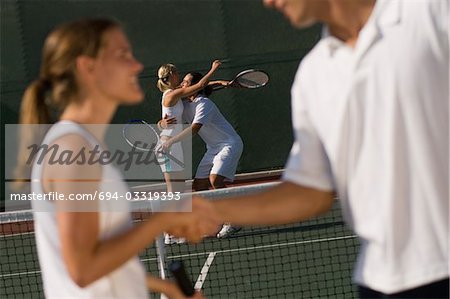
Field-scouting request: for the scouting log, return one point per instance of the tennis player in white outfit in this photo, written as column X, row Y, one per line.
column 224, row 146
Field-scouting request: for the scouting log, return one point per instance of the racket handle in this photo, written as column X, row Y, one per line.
column 219, row 87
column 181, row 277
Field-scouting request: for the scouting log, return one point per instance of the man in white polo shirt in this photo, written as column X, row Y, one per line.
column 370, row 109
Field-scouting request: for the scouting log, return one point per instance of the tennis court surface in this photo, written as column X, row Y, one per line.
column 312, row 259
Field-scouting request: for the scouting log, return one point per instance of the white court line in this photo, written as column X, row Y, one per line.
column 15, row 235
column 204, row 272
column 221, row 251
column 19, row 274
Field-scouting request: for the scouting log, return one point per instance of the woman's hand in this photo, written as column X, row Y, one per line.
column 169, row 288
column 176, row 293
column 215, row 65
column 164, row 147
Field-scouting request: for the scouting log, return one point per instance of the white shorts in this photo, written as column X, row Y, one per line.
column 172, row 161
column 222, row 161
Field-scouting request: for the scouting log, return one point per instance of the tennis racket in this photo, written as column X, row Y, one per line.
column 183, row 281
column 250, row 79
column 142, row 136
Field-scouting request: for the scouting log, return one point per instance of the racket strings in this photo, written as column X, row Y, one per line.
column 253, row 79
column 140, row 136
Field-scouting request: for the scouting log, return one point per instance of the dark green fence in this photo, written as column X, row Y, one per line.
column 190, row 34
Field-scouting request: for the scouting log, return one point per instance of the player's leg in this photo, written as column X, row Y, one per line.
column 201, row 180
column 173, row 172
column 224, row 164
column 201, row 184
column 175, row 181
column 175, row 177
column 217, row 181
column 224, row 168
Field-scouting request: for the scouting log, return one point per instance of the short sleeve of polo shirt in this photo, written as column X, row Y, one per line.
column 203, row 112
column 308, row 164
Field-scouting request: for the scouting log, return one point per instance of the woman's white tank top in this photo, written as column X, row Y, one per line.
column 174, row 111
column 129, row 280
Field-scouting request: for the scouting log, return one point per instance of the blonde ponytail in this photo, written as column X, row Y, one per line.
column 33, row 112
column 34, row 109
column 164, row 73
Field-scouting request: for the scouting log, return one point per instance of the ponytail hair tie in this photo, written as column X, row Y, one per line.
column 45, row 87
column 164, row 79
column 45, row 84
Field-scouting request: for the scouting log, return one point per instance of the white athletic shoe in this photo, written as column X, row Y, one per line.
column 227, row 230
column 169, row 239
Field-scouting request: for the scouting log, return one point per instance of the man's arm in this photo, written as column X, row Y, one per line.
column 192, row 130
column 202, row 115
column 165, row 122
column 285, row 203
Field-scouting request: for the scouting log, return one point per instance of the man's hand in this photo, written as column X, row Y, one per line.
column 167, row 121
column 194, row 226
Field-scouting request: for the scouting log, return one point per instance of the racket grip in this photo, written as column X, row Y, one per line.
column 184, row 282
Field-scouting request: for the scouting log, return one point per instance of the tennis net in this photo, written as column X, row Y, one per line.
column 312, row 259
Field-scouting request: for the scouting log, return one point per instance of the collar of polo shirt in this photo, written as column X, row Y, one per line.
column 380, row 17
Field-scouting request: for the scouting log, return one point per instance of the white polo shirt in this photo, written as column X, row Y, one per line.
column 372, row 123
column 216, row 131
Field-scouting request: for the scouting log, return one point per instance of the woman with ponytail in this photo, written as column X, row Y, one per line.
column 88, row 70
